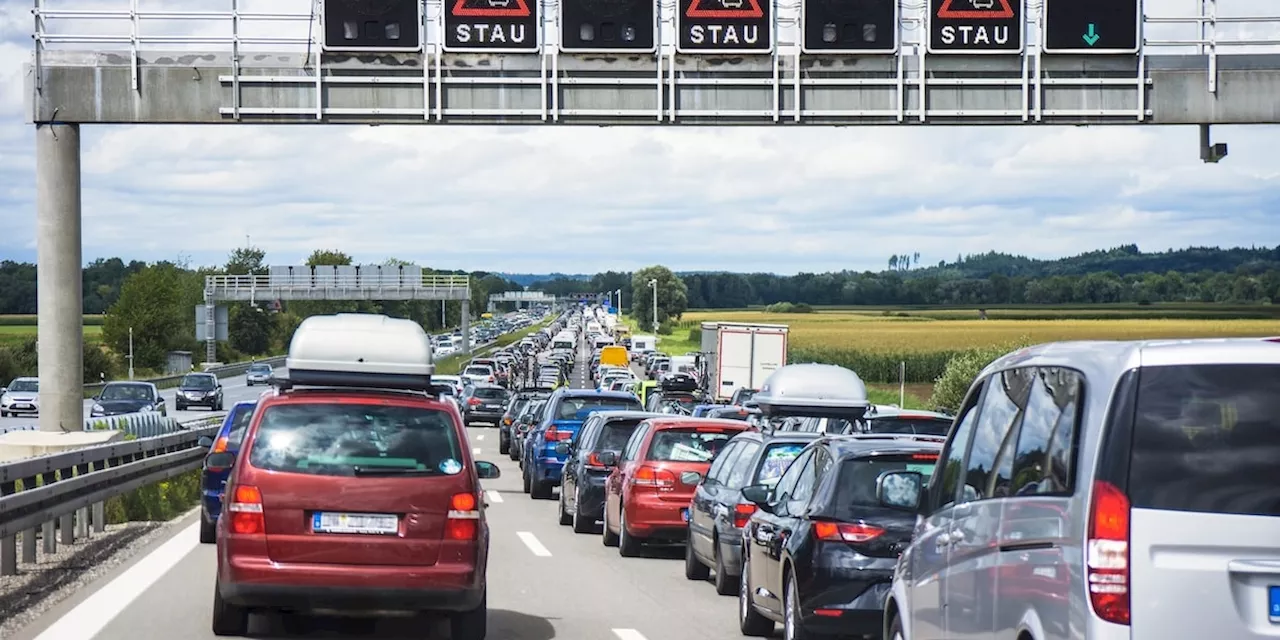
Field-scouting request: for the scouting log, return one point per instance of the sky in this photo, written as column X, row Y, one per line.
column 586, row 199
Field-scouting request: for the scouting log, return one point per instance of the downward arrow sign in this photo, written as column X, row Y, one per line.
column 1091, row 37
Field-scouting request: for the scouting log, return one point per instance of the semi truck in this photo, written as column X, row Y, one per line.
column 741, row 355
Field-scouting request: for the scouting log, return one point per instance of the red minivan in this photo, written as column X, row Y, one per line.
column 648, row 493
column 354, row 500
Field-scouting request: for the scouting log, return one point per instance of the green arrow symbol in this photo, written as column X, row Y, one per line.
column 1091, row 37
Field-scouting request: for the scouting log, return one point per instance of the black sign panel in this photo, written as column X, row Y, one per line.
column 849, row 26
column 371, row 25
column 605, row 26
column 976, row 26
column 1092, row 26
column 492, row 26
column 724, row 26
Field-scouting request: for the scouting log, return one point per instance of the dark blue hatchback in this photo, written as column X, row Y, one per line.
column 213, row 479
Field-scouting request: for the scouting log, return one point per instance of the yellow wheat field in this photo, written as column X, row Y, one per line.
column 866, row 332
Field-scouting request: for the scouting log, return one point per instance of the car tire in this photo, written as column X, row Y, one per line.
column 750, row 622
column 565, row 518
column 726, row 585
column 513, row 452
column 228, row 619
column 628, row 545
column 528, row 482
column 693, row 567
column 540, row 490
column 581, row 524
column 471, row 625
column 610, row 539
column 792, row 621
column 895, row 629
column 208, row 530
column 504, row 448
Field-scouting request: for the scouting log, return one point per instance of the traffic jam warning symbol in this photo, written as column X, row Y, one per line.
column 975, row 26
column 724, row 26
column 494, row 26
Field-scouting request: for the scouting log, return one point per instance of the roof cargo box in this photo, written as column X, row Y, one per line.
column 360, row 350
column 820, row 390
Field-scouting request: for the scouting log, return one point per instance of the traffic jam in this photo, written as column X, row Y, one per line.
column 1099, row 490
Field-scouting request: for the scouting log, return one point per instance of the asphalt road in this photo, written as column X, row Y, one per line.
column 234, row 390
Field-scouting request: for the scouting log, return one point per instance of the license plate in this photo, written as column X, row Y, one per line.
column 684, row 515
column 359, row 523
column 21, row 405
column 1273, row 608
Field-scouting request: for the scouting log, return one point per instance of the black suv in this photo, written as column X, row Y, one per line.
column 199, row 390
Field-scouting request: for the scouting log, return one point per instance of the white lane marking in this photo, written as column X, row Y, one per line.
column 92, row 615
column 534, row 545
column 629, row 634
column 475, row 451
column 480, row 437
column 494, row 496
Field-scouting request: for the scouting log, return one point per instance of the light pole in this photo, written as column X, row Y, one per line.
column 619, row 292
column 130, row 353
column 653, row 282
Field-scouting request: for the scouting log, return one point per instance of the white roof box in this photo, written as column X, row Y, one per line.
column 820, row 390
column 360, row 350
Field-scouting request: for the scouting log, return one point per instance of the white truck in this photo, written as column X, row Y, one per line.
column 742, row 355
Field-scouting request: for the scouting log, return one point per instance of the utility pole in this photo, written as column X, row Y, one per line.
column 130, row 353
column 653, row 282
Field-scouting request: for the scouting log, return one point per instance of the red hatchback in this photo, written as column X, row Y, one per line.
column 354, row 500
column 648, row 493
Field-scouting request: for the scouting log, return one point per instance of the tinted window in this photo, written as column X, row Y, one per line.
column 1206, row 439
column 615, row 435
column 491, row 393
column 915, row 425
column 856, row 484
column 477, row 371
column 1042, row 463
column 197, row 382
column 743, row 465
column 338, row 439
column 569, row 407
column 1006, row 393
column 688, row 445
column 776, row 460
column 127, row 392
column 239, row 423
column 957, row 446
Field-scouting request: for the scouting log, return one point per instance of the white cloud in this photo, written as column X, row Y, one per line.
column 578, row 199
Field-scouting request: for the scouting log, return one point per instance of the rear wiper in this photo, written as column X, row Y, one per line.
column 391, row 471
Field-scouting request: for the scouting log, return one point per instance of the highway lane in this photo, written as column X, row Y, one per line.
column 234, row 390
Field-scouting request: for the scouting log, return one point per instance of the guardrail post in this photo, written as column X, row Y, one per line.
column 8, row 546
column 66, row 526
column 29, row 536
column 99, row 517
column 47, row 533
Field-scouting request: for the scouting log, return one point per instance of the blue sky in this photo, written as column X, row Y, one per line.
column 587, row 199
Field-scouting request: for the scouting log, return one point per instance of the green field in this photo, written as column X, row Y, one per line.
column 10, row 334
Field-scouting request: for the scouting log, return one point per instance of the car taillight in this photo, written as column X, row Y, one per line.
column 219, row 445
column 506, row 421
column 742, row 514
column 846, row 532
column 464, row 517
column 1107, row 556
column 555, row 435
column 594, row 463
column 655, row 477
column 473, row 402
column 246, row 511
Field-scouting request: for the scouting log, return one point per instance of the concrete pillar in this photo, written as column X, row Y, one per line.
column 466, row 327
column 60, row 303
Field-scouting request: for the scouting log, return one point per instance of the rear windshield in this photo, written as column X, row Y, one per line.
column 477, row 371
column 569, row 407
column 776, row 460
column 922, row 426
column 239, row 422
column 342, row 439
column 689, row 445
column 1206, row 439
column 856, row 484
column 491, row 393
column 615, row 435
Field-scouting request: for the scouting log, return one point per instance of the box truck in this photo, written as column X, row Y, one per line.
column 742, row 355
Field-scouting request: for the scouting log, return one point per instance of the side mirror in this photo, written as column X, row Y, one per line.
column 487, row 470
column 205, row 441
column 900, row 490
column 608, row 458
column 563, row 448
column 758, row 494
column 219, row 461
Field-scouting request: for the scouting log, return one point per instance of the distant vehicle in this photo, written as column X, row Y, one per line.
column 257, row 373
column 213, row 479
column 117, row 398
column 199, row 390
column 21, row 396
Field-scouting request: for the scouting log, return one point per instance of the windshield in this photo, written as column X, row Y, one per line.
column 856, row 484
column 239, row 423
column 126, row 392
column 569, row 407
column 689, row 445
column 491, row 393
column 197, row 382
column 477, row 371
column 335, row 439
column 615, row 434
column 24, row 386
column 776, row 460
column 259, row 368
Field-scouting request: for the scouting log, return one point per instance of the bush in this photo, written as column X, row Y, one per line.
column 788, row 307
column 158, row 502
column 878, row 366
column 950, row 388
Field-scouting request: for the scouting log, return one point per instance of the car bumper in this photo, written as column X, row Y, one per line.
column 212, row 502
column 548, row 471
column 482, row 414
column 849, row 605
column 348, row 599
column 651, row 517
column 202, row 402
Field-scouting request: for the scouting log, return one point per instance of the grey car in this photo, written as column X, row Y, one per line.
column 1101, row 491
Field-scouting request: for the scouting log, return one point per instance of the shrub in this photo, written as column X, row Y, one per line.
column 951, row 386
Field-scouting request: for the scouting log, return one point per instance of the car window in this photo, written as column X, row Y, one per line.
column 633, row 443
column 743, row 465
column 718, row 471
column 126, row 392
column 855, row 484
column 944, row 488
column 1001, row 410
column 614, row 435
column 699, row 444
column 1043, row 461
column 1206, row 439
column 918, row 425
column 197, row 382
column 24, row 386
column 239, row 423
column 776, row 460
column 337, row 439
column 569, row 407
column 491, row 393
column 787, row 483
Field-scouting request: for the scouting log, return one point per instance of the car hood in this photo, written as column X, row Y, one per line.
column 121, row 406
column 194, row 390
column 22, row 396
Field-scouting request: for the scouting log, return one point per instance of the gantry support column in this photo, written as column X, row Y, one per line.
column 60, row 302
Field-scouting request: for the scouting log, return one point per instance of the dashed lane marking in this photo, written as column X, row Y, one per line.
column 494, row 496
column 629, row 634
column 480, row 437
column 534, row 544
column 475, row 451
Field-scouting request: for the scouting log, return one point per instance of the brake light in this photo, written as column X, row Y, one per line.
column 1107, row 555
column 219, row 445
column 246, row 511
column 473, row 401
column 594, row 463
column 464, row 517
column 846, row 532
column 555, row 435
column 654, row 477
column 742, row 513
column 506, row 421
column 924, row 456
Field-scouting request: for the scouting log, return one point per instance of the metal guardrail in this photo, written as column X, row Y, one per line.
column 224, row 371
column 62, row 495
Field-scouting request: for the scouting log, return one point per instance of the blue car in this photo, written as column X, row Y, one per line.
column 564, row 414
column 213, row 479
column 702, row 410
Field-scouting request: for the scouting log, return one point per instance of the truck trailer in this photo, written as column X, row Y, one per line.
column 741, row 355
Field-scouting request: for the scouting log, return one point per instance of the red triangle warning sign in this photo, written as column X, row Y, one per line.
column 976, row 10
column 725, row 9
column 491, row 9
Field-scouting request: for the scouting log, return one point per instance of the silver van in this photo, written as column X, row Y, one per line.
column 1101, row 490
